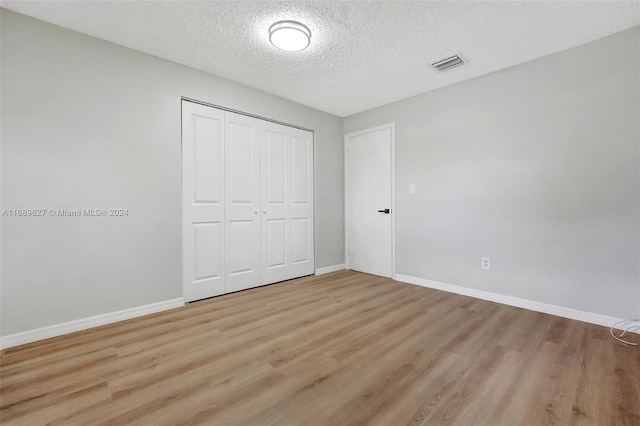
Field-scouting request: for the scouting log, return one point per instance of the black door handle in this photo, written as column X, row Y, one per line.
column 385, row 211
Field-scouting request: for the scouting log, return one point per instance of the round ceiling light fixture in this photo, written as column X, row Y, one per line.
column 291, row 36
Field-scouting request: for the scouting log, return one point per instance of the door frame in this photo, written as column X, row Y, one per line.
column 347, row 136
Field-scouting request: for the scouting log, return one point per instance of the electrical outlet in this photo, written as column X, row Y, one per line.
column 486, row 262
column 412, row 188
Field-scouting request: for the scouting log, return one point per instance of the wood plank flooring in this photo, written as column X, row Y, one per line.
column 339, row 349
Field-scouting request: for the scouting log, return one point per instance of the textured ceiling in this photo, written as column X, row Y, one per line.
column 362, row 54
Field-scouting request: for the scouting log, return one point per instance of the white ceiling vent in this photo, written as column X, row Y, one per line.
column 448, row 63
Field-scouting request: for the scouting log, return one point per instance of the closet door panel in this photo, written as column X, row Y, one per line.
column 275, row 169
column 208, row 262
column 301, row 208
column 300, row 238
column 242, row 178
column 241, row 246
column 276, row 218
column 203, row 202
column 300, row 165
column 276, row 257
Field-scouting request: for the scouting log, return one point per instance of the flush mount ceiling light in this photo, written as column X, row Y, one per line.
column 291, row 36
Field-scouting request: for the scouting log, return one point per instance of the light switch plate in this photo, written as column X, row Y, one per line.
column 412, row 188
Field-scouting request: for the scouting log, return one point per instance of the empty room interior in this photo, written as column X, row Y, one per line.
column 320, row 213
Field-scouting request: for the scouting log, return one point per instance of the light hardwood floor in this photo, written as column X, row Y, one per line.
column 339, row 349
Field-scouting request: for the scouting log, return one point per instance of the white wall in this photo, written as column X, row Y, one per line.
column 536, row 166
column 89, row 124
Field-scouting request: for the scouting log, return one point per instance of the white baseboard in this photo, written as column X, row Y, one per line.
column 329, row 269
column 24, row 337
column 532, row 305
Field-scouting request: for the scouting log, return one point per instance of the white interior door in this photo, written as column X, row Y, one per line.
column 242, row 183
column 370, row 175
column 203, row 228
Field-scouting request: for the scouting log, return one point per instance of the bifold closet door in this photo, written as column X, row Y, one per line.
column 287, row 203
column 247, row 189
column 203, row 227
column 302, row 241
column 242, row 182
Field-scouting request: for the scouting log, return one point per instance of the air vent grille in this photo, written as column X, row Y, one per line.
column 448, row 63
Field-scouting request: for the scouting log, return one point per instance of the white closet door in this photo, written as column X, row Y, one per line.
column 203, row 201
column 276, row 198
column 302, row 256
column 242, row 178
column 247, row 202
column 287, row 203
